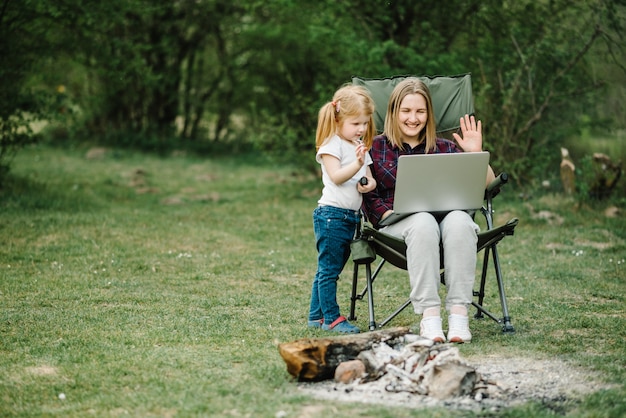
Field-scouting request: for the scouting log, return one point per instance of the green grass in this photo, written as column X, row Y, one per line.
column 143, row 286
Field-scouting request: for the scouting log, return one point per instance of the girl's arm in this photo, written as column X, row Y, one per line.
column 339, row 174
column 336, row 172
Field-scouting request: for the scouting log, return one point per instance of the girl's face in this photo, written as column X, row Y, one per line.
column 352, row 129
column 412, row 116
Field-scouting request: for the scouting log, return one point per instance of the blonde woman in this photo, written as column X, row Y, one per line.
column 410, row 129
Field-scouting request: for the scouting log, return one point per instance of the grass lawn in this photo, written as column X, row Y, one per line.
column 141, row 286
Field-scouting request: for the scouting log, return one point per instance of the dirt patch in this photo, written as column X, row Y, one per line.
column 42, row 371
column 517, row 381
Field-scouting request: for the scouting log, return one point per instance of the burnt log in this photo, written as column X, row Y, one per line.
column 315, row 359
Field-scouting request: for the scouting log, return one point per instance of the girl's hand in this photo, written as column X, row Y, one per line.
column 360, row 151
column 371, row 185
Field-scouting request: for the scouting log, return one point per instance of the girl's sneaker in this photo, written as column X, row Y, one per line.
column 341, row 325
column 430, row 327
column 316, row 323
column 458, row 329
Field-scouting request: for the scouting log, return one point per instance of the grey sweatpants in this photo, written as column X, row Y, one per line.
column 422, row 233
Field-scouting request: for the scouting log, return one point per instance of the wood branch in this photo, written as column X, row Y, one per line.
column 617, row 57
column 315, row 359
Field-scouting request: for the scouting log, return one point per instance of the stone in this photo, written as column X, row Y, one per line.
column 452, row 379
column 349, row 371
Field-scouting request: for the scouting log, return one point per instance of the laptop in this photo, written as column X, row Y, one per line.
column 438, row 183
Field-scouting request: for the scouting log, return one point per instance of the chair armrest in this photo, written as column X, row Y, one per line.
column 495, row 235
column 494, row 187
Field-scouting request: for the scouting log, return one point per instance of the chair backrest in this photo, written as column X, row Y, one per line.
column 451, row 96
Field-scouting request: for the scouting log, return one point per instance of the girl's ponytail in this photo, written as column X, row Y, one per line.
column 326, row 124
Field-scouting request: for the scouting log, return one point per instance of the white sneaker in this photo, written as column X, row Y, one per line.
column 458, row 329
column 430, row 328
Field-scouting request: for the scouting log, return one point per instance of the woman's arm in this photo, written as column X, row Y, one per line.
column 491, row 176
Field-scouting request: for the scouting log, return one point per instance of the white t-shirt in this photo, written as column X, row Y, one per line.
column 344, row 195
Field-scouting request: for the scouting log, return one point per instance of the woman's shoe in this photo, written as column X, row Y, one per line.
column 430, row 327
column 341, row 325
column 458, row 329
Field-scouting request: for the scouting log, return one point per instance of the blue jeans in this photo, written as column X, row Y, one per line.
column 334, row 230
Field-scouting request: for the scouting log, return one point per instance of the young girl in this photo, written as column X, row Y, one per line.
column 344, row 135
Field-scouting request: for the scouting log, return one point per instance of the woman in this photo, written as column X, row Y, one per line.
column 410, row 129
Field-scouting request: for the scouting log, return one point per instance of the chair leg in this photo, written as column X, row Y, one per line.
column 507, row 327
column 374, row 275
column 370, row 296
column 353, row 297
column 369, row 290
column 366, row 289
column 369, row 278
column 395, row 313
column 483, row 280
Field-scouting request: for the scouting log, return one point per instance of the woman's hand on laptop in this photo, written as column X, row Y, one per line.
column 386, row 214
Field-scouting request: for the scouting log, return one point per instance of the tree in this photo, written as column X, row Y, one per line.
column 252, row 72
column 21, row 46
column 532, row 72
column 530, row 63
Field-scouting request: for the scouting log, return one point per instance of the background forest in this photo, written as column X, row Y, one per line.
column 234, row 76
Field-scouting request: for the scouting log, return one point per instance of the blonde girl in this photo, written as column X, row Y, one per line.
column 345, row 131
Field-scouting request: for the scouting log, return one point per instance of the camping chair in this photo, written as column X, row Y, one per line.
column 452, row 98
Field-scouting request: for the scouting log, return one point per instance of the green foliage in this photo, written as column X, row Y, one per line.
column 205, row 75
column 592, row 180
column 15, row 133
column 20, row 107
column 585, row 177
column 526, row 96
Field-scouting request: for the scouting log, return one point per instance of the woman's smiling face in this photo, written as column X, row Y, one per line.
column 412, row 116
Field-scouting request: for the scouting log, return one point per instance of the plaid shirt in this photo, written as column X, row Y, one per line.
column 384, row 167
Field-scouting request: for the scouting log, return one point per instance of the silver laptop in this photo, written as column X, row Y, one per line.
column 439, row 183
